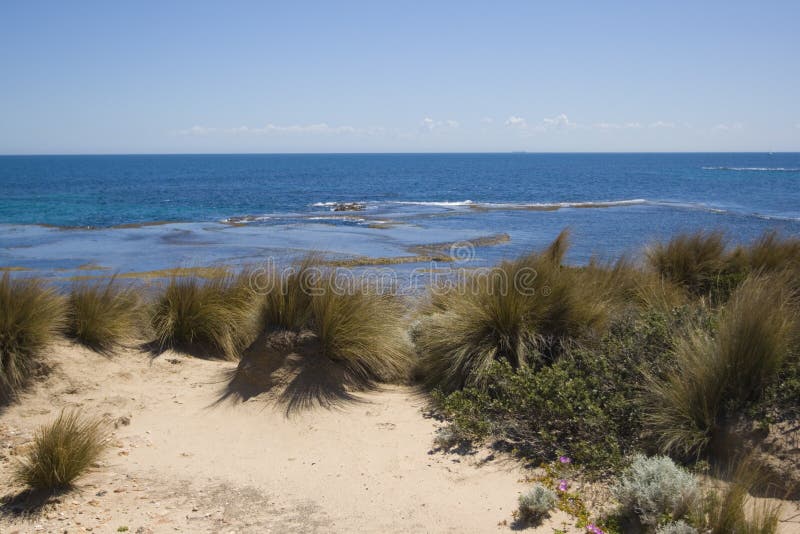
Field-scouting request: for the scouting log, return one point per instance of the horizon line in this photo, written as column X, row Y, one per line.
column 410, row 153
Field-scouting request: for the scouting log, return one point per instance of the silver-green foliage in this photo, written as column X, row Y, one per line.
column 654, row 489
column 536, row 503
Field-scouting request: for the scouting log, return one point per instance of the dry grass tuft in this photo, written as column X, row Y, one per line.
column 516, row 312
column 218, row 314
column 102, row 316
column 769, row 253
column 715, row 375
column 362, row 327
column 693, row 261
column 287, row 298
column 30, row 315
column 732, row 509
column 61, row 452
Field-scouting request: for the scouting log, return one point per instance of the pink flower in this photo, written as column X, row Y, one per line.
column 562, row 485
column 565, row 459
column 594, row 529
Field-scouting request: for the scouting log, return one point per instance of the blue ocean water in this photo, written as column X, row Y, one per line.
column 58, row 212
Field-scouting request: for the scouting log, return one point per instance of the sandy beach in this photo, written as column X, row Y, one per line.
column 182, row 461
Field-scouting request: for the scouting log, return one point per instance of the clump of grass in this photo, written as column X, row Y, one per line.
column 654, row 489
column 101, row 316
column 769, row 253
column 30, row 315
column 694, row 261
column 61, row 452
column 479, row 323
column 731, row 508
column 217, row 314
column 717, row 375
column 536, row 504
column 516, row 312
column 361, row 326
column 287, row 296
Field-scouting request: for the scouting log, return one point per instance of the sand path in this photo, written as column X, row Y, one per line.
column 181, row 461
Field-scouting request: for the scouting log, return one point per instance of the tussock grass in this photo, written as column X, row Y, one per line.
column 622, row 284
column 693, row 261
column 515, row 312
column 217, row 314
column 714, row 375
column 30, row 316
column 61, row 452
column 361, row 326
column 732, row 509
column 769, row 253
column 286, row 299
column 102, row 316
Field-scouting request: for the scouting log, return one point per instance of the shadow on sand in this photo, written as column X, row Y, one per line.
column 29, row 503
column 289, row 369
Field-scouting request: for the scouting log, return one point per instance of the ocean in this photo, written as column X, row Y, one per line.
column 60, row 215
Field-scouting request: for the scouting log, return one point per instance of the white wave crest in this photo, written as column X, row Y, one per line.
column 753, row 169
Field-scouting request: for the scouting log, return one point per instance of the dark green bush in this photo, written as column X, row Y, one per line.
column 586, row 404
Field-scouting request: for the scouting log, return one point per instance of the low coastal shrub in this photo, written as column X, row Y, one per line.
column 61, row 452
column 361, row 326
column 677, row 527
column 30, row 316
column 522, row 312
column 588, row 403
column 655, row 490
column 536, row 504
column 101, row 316
column 217, row 314
column 716, row 375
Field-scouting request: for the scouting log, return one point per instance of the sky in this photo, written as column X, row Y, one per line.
column 437, row 76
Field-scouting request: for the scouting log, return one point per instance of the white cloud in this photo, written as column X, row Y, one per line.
column 516, row 122
column 661, row 124
column 724, row 127
column 428, row 124
column 489, row 120
column 559, row 121
column 616, row 125
column 196, row 130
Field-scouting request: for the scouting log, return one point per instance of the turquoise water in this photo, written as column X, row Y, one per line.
column 59, row 212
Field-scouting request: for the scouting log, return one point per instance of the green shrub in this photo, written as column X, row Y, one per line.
column 102, row 316
column 586, row 404
column 61, row 452
column 362, row 327
column 655, row 490
column 677, row 527
column 536, row 504
column 30, row 315
column 716, row 376
column 217, row 314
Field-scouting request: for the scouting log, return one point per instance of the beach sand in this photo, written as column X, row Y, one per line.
column 186, row 457
column 181, row 461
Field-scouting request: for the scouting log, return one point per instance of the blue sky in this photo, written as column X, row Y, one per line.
column 162, row 77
